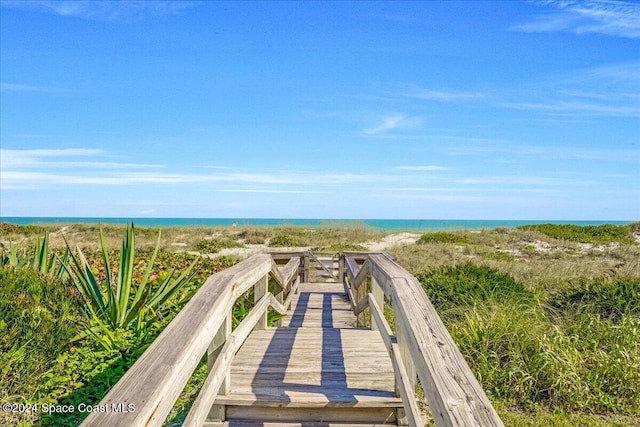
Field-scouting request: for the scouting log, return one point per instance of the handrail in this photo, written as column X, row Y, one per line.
column 155, row 381
column 454, row 395
column 420, row 346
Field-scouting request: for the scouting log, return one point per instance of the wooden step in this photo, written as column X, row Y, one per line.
column 312, row 367
column 291, row 399
column 319, row 415
column 246, row 423
column 320, row 305
column 312, row 375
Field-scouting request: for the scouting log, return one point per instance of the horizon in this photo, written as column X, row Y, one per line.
column 264, row 221
column 323, row 110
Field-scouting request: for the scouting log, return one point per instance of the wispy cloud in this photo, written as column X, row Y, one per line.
column 391, row 122
column 386, row 124
column 22, row 169
column 16, row 87
column 440, row 95
column 19, row 158
column 49, row 158
column 427, row 168
column 105, row 10
column 611, row 90
column 519, row 180
column 268, row 190
column 610, row 17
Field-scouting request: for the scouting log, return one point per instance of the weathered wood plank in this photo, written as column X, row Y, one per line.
column 220, row 370
column 249, row 423
column 357, row 273
column 454, row 394
column 352, row 268
column 342, row 415
column 403, row 381
column 216, row 412
column 156, row 380
column 361, row 305
column 319, row 304
column 290, row 270
column 322, row 266
column 313, row 368
column 269, row 398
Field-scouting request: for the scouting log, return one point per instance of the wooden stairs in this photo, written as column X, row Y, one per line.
column 333, row 359
column 316, row 369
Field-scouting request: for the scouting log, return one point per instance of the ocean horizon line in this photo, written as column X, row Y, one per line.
column 383, row 224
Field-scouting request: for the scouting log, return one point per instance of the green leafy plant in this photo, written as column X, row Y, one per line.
column 117, row 298
column 39, row 259
column 215, row 245
column 284, row 240
column 443, row 237
column 596, row 234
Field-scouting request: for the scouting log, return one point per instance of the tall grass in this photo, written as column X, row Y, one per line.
column 596, row 234
column 549, row 325
column 576, row 350
column 45, row 355
column 40, row 315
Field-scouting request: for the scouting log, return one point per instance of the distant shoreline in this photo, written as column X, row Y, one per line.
column 380, row 224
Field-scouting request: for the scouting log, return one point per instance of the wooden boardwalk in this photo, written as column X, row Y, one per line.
column 320, row 368
column 317, row 367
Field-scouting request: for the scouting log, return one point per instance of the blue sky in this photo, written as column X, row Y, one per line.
column 445, row 110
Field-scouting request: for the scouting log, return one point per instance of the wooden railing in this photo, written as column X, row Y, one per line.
column 420, row 348
column 151, row 386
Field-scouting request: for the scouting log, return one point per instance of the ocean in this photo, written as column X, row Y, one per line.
column 382, row 224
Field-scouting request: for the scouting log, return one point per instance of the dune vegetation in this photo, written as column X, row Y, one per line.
column 548, row 317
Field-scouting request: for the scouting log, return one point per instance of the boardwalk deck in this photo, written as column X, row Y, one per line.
column 318, row 366
column 321, row 368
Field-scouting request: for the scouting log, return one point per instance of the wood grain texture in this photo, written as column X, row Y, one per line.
column 454, row 394
column 155, row 381
column 320, row 368
column 318, row 305
column 314, row 368
column 404, row 385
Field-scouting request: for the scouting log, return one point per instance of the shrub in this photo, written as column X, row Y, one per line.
column 38, row 317
column 284, row 240
column 212, row 246
column 117, row 297
column 579, row 352
column 607, row 298
column 443, row 237
column 499, row 256
column 596, row 234
column 468, row 284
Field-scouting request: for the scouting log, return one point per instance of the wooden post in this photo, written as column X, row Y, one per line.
column 260, row 289
column 305, row 279
column 407, row 361
column 280, row 298
column 218, row 412
column 378, row 296
column 361, row 293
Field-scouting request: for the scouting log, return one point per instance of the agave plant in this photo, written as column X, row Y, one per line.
column 40, row 260
column 121, row 300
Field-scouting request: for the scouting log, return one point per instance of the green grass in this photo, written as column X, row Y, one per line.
column 577, row 350
column 284, row 240
column 41, row 318
column 38, row 317
column 215, row 245
column 549, row 327
column 444, row 237
column 595, row 234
